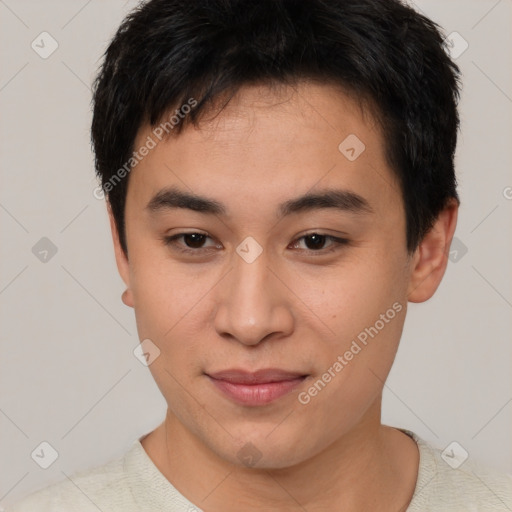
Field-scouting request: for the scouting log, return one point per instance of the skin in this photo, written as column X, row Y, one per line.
column 292, row 308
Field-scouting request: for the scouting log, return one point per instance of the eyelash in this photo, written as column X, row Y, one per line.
column 338, row 243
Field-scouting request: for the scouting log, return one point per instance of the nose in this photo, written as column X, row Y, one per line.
column 254, row 305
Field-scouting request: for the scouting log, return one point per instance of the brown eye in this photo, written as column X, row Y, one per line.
column 192, row 242
column 315, row 243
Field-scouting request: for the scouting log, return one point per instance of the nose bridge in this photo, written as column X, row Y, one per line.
column 251, row 306
column 251, row 289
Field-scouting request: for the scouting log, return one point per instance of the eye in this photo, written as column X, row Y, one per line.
column 194, row 242
column 315, row 242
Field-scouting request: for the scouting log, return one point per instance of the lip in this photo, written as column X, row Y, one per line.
column 256, row 388
column 262, row 376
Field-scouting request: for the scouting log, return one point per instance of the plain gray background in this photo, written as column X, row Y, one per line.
column 68, row 373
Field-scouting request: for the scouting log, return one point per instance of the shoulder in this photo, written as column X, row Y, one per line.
column 103, row 487
column 450, row 480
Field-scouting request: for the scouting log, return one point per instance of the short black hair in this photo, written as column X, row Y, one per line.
column 167, row 52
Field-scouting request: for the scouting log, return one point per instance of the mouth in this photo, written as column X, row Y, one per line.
column 256, row 388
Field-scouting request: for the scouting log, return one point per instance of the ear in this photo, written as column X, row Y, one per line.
column 121, row 259
column 431, row 256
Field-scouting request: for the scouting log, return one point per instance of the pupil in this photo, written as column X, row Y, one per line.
column 318, row 241
column 197, row 240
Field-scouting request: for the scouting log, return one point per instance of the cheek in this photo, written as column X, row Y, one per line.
column 164, row 292
column 173, row 310
column 352, row 370
column 364, row 307
column 351, row 297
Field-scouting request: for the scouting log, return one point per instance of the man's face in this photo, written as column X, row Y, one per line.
column 258, row 291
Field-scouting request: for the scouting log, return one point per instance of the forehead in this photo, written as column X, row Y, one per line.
column 268, row 144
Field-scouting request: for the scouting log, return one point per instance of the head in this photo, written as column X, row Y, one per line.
column 309, row 146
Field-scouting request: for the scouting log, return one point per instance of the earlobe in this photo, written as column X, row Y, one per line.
column 431, row 256
column 127, row 297
column 121, row 259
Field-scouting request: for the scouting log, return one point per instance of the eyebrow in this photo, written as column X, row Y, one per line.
column 343, row 200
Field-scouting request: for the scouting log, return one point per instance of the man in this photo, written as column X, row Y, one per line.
column 280, row 184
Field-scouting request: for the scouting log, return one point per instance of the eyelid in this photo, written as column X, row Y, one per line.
column 337, row 242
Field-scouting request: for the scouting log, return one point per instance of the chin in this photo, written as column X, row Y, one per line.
column 265, row 448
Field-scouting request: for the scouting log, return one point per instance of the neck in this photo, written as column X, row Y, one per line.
column 371, row 467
